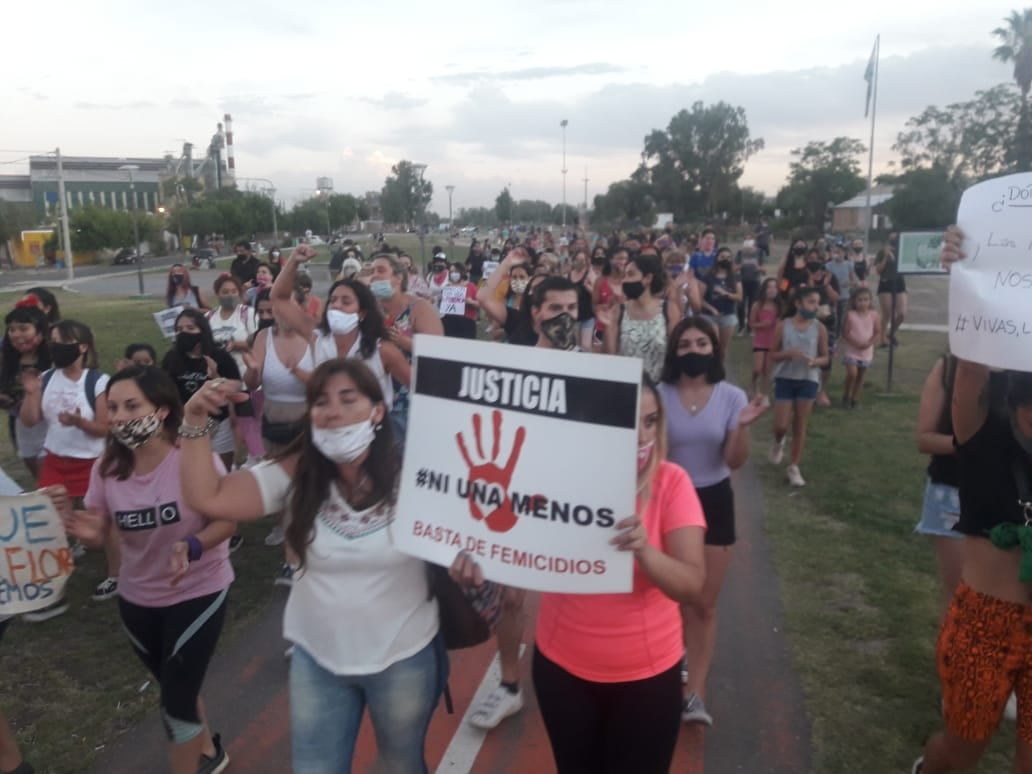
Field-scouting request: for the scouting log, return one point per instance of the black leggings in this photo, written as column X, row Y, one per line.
column 609, row 728
column 176, row 643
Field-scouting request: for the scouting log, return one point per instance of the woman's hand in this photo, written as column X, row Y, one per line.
column 211, row 398
column 31, row 381
column 633, row 536
column 605, row 315
column 753, row 410
column 70, row 418
column 951, row 247
column 59, row 497
column 179, row 561
column 250, row 361
column 302, row 253
column 213, row 369
column 465, row 571
column 90, row 527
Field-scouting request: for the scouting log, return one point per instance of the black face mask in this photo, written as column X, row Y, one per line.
column 185, row 342
column 64, row 355
column 266, row 322
column 814, row 266
column 177, row 279
column 798, row 251
column 694, row 364
column 561, row 331
column 633, row 290
column 858, row 250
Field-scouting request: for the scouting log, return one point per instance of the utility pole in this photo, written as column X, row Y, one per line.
column 65, row 231
column 585, row 189
column 563, row 124
column 130, row 168
column 450, row 189
column 420, row 169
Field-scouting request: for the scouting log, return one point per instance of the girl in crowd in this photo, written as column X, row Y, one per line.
column 512, row 314
column 608, row 291
column 793, row 272
column 352, row 326
column 461, row 326
column 417, row 284
column 264, row 276
column 606, row 666
column 339, row 481
column 47, row 302
column 303, row 292
column 722, row 294
column 233, row 325
column 582, row 274
column 707, row 424
column 890, row 283
column 69, row 400
column 438, row 276
column 280, row 361
column 800, row 348
column 861, row 264
column 763, row 319
column 180, row 291
column 175, row 569
column 827, row 285
column 25, row 350
column 138, row 354
column 861, row 330
column 639, row 326
column 193, row 360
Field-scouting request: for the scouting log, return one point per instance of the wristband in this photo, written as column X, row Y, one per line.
column 194, row 548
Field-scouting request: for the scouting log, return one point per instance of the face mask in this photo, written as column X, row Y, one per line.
column 694, row 364
column 633, row 290
column 519, row 286
column 64, row 355
column 798, row 251
column 808, row 314
column 274, row 254
column 724, row 266
column 177, row 279
column 561, row 331
column 262, row 280
column 381, row 288
column 185, row 342
column 644, row 455
column 229, row 303
column 858, row 250
column 341, row 323
column 454, row 276
column 440, row 269
column 136, row 432
column 675, row 271
column 749, row 243
column 814, row 266
column 266, row 322
column 344, row 444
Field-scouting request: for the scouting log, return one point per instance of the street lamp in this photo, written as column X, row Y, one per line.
column 563, row 124
column 130, row 168
column 450, row 189
column 420, row 169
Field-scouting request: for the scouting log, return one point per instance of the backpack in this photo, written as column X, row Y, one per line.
column 92, row 377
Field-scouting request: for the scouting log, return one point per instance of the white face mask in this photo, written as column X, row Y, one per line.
column 344, row 444
column 454, row 276
column 340, row 322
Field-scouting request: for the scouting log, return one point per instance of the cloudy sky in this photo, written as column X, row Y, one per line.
column 475, row 89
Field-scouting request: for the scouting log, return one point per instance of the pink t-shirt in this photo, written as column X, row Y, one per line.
column 150, row 516
column 611, row 638
column 859, row 326
column 764, row 338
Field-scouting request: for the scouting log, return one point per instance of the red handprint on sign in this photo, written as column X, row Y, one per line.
column 501, row 519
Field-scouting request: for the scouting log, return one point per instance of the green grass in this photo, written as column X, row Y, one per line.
column 861, row 591
column 71, row 685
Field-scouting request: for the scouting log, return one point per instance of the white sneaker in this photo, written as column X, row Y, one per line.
column 498, row 705
column 275, row 537
column 795, row 478
column 1011, row 710
column 777, row 451
column 695, row 711
column 106, row 589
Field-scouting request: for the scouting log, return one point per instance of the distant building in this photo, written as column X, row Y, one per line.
column 851, row 215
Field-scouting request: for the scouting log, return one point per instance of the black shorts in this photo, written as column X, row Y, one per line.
column 3, row 627
column 718, row 506
column 887, row 286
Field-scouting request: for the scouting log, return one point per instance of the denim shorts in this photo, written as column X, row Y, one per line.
column 855, row 361
column 790, row 390
column 724, row 320
column 940, row 511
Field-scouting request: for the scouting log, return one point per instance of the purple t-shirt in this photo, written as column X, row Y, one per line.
column 697, row 442
column 150, row 515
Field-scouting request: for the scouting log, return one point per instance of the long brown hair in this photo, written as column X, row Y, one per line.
column 159, row 390
column 315, row 473
column 659, row 450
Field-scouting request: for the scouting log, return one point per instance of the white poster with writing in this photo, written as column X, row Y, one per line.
column 166, row 320
column 35, row 561
column 453, row 299
column 524, row 457
column 490, row 267
column 990, row 310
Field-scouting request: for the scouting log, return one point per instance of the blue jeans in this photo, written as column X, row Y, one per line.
column 326, row 711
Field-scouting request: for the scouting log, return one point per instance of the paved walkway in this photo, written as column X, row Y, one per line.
column 761, row 724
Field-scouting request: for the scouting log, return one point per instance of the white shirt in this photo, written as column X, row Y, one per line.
column 359, row 605
column 325, row 348
column 62, row 394
column 239, row 327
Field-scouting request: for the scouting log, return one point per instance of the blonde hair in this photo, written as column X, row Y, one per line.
column 659, row 449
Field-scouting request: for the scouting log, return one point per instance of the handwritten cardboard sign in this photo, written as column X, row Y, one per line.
column 453, row 299
column 35, row 560
column 524, row 457
column 166, row 320
column 919, row 252
column 990, row 308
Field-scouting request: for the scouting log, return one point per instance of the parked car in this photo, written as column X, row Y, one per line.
column 204, row 258
column 125, row 257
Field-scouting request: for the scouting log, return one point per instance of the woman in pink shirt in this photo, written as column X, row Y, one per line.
column 175, row 571
column 606, row 667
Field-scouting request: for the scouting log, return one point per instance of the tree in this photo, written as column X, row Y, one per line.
column 823, row 174
column 477, row 216
column 924, row 199
column 1016, row 47
column 15, row 217
column 700, row 156
column 503, row 207
column 97, row 228
column 969, row 140
column 571, row 215
column 627, row 202
column 405, row 195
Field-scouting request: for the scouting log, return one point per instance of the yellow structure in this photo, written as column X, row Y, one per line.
column 30, row 250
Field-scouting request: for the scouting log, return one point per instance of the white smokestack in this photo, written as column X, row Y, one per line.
column 230, row 158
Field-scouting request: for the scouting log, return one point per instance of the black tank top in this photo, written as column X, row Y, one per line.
column 585, row 309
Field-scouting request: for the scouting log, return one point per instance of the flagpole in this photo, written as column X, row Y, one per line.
column 870, row 156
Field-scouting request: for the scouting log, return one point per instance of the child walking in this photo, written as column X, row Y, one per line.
column 763, row 319
column 800, row 349
column 860, row 332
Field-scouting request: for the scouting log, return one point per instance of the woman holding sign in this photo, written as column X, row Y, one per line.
column 360, row 615
column 175, row 571
column 460, row 318
column 606, row 667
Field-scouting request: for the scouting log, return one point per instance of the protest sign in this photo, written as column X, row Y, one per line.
column 490, row 267
column 35, row 560
column 524, row 457
column 453, row 299
column 919, row 252
column 990, row 309
column 166, row 320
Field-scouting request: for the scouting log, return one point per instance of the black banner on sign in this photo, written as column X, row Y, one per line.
column 574, row 398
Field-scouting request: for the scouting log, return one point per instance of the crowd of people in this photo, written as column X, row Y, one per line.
column 271, row 403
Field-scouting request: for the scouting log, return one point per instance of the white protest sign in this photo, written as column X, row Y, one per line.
column 453, row 299
column 524, row 457
column 489, row 268
column 35, row 560
column 990, row 312
column 166, row 320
